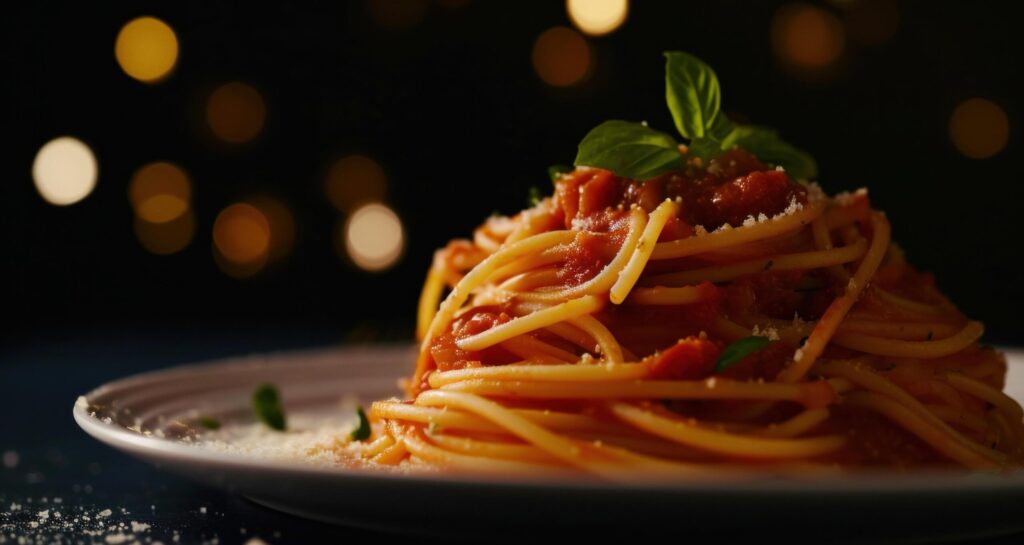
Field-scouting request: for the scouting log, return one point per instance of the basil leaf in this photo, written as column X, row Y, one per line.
column 266, row 403
column 556, row 171
column 766, row 145
column 739, row 350
column 692, row 93
column 362, row 431
column 630, row 150
column 721, row 129
column 208, row 422
column 705, row 148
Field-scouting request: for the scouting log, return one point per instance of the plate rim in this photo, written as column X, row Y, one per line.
column 150, row 448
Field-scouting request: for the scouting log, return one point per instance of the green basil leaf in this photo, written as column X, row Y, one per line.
column 766, row 145
column 362, row 431
column 556, row 171
column 705, row 148
column 692, row 93
column 711, row 145
column 739, row 350
column 266, row 403
column 209, row 422
column 631, row 150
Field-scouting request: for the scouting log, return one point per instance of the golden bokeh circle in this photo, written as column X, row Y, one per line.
column 806, row 37
column 241, row 235
column 236, row 112
column 146, row 48
column 561, row 57
column 160, row 192
column 979, row 128
column 355, row 180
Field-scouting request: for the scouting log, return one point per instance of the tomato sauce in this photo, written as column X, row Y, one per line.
column 596, row 204
column 728, row 190
column 692, row 358
column 448, row 356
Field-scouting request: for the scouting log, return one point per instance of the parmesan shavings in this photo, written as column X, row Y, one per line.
column 768, row 332
column 847, row 198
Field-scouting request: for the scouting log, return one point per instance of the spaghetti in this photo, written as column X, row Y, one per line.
column 718, row 314
column 584, row 334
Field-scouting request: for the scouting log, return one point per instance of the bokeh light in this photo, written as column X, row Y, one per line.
column 236, row 112
column 64, row 171
column 806, row 38
column 597, row 17
column 871, row 22
column 353, row 181
column 373, row 237
column 147, row 49
column 281, row 224
column 241, row 240
column 396, row 14
column 160, row 192
column 979, row 128
column 561, row 57
column 168, row 237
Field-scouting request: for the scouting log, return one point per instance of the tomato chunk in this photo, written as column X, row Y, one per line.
column 691, row 358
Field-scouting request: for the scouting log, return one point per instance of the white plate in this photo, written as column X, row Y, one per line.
column 892, row 506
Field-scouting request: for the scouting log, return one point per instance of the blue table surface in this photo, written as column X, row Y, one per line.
column 50, row 466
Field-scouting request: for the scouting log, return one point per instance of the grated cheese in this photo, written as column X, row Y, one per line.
column 768, row 332
column 847, row 198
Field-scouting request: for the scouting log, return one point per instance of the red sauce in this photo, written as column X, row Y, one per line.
column 875, row 441
column 730, row 189
column 689, row 359
column 594, row 247
column 448, row 356
column 764, row 363
column 781, row 295
column 596, row 204
column 631, row 324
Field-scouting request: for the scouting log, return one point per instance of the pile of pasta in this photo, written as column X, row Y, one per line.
column 610, row 340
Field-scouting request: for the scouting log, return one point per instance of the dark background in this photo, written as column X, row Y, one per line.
column 453, row 111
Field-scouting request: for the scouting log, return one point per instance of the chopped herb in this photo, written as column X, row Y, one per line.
column 534, row 196
column 694, row 98
column 770, row 264
column 362, row 431
column 739, row 350
column 209, row 422
column 803, row 341
column 266, row 403
column 556, row 171
column 930, row 334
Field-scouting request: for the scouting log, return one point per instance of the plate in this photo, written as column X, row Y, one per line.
column 138, row 416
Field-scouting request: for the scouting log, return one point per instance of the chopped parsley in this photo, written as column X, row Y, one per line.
column 208, row 422
column 266, row 403
column 739, row 350
column 362, row 431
